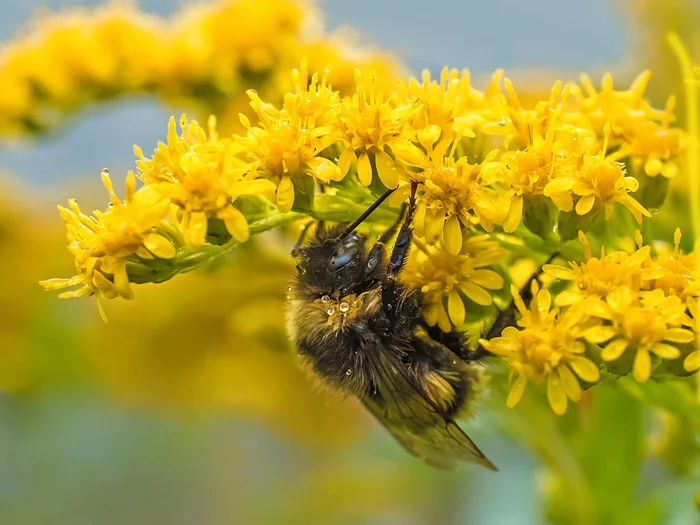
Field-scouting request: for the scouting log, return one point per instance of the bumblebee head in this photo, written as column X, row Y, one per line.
column 332, row 259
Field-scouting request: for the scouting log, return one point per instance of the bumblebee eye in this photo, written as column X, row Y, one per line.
column 343, row 257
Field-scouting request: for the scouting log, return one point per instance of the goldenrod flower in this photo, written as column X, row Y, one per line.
column 637, row 129
column 676, row 271
column 286, row 148
column 453, row 194
column 643, row 323
column 202, row 176
column 597, row 182
column 528, row 172
column 520, row 125
column 451, row 105
column 460, row 279
column 366, row 125
column 548, row 346
column 103, row 244
column 600, row 276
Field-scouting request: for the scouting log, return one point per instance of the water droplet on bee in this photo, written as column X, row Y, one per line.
column 344, row 306
column 348, row 372
column 326, row 299
column 289, row 288
column 331, row 310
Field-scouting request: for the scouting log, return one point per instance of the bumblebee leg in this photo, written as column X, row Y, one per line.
column 507, row 317
column 302, row 236
column 391, row 289
column 403, row 239
column 455, row 341
column 376, row 254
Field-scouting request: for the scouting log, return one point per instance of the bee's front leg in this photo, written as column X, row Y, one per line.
column 391, row 288
column 376, row 254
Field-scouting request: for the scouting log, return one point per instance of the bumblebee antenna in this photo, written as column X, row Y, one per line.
column 366, row 214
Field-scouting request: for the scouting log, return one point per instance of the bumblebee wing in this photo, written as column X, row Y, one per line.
column 416, row 422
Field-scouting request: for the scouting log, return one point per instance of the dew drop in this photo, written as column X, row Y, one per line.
column 331, row 310
column 105, row 172
column 326, row 299
column 344, row 306
column 110, row 205
column 289, row 288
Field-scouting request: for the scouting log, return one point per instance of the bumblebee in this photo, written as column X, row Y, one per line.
column 362, row 331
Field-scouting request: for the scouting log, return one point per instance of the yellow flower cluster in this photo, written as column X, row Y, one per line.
column 205, row 56
column 202, row 176
column 639, row 309
column 549, row 345
column 102, row 244
column 440, row 134
column 479, row 160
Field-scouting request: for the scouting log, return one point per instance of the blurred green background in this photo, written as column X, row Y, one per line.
column 188, row 408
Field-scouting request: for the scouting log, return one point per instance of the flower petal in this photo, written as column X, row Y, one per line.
column 121, row 281
column 666, row 351
column 584, row 368
column 285, row 195
column 515, row 213
column 599, row 334
column 453, row 235
column 487, row 278
column 679, row 335
column 571, row 384
column 516, row 391
column 642, row 366
column 159, row 246
column 476, row 293
column 364, row 169
column 345, row 161
column 443, row 320
column 195, row 228
column 559, row 272
column 613, row 350
column 585, row 204
column 556, row 393
column 236, row 224
column 455, row 307
column 434, row 224
column 692, row 362
column 386, row 169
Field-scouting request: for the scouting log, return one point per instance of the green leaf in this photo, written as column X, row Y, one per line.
column 611, row 450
